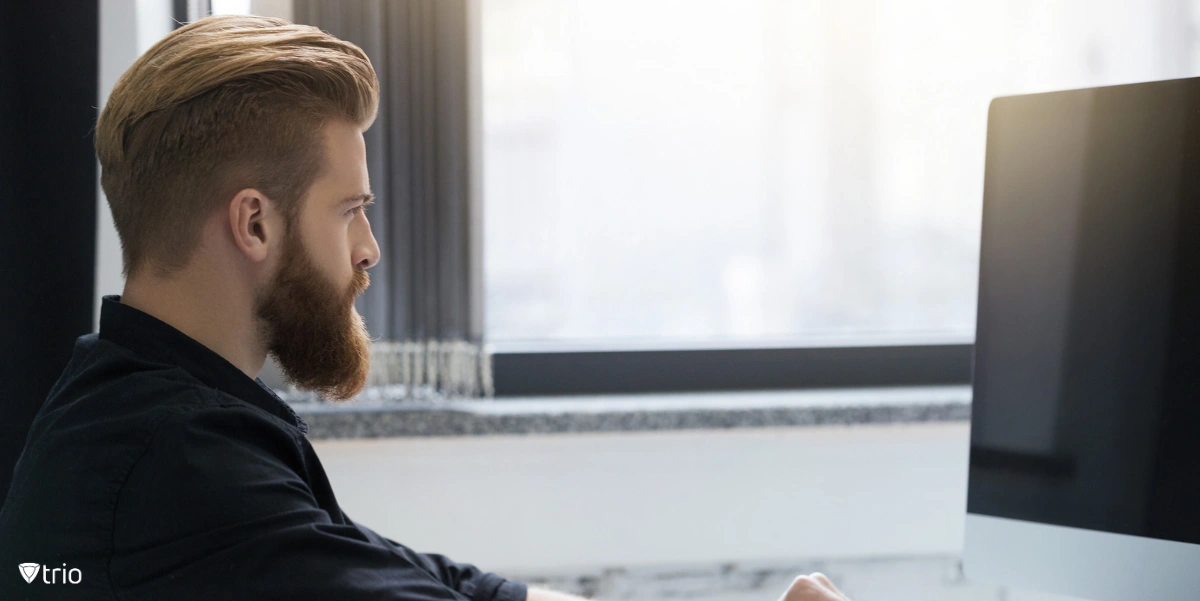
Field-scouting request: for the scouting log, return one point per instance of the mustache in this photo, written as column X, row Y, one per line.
column 359, row 282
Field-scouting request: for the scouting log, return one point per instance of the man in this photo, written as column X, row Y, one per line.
column 160, row 466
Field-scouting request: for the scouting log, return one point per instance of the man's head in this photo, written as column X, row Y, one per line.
column 235, row 145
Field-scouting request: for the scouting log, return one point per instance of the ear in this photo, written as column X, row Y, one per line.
column 253, row 221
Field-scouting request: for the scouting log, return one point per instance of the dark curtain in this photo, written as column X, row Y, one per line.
column 424, row 295
column 49, row 70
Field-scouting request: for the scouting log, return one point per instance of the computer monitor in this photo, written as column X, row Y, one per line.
column 1085, row 429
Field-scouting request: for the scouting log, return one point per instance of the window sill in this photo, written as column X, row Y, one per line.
column 387, row 418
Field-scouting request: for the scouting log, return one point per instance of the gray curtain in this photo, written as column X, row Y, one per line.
column 424, row 295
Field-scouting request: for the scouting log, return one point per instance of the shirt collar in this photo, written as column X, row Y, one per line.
column 157, row 340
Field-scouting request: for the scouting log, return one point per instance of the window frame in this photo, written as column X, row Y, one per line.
column 592, row 372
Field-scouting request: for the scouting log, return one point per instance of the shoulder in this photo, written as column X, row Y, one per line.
column 73, row 469
column 221, row 435
column 209, row 468
column 217, row 482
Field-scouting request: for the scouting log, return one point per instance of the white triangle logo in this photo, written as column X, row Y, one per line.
column 29, row 570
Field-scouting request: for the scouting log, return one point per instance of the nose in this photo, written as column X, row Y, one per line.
column 367, row 252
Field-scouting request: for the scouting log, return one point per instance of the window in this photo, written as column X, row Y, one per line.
column 764, row 172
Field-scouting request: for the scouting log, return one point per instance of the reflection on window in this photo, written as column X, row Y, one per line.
column 765, row 170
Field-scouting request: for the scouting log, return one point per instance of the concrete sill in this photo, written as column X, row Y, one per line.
column 382, row 417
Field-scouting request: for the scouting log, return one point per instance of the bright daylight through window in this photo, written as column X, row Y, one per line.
column 764, row 172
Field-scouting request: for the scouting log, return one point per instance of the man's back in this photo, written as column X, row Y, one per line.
column 157, row 469
column 79, row 446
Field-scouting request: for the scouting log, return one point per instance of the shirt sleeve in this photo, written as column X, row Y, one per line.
column 462, row 577
column 217, row 508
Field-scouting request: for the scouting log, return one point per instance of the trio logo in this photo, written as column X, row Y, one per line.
column 29, row 571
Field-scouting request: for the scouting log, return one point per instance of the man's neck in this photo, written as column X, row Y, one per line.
column 207, row 311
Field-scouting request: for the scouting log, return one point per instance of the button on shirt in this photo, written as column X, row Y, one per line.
column 156, row 469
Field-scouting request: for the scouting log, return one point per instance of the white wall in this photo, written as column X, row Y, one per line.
column 540, row 502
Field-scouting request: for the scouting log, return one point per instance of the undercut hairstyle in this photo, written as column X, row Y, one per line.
column 218, row 105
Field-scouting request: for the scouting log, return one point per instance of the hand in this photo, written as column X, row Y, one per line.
column 814, row 587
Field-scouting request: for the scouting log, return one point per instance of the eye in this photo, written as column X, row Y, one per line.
column 362, row 207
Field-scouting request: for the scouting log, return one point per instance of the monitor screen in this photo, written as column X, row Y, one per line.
column 1087, row 361
column 1086, row 407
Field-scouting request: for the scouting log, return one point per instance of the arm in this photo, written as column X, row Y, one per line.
column 465, row 578
column 240, row 522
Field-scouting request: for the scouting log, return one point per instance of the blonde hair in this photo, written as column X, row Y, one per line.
column 218, row 105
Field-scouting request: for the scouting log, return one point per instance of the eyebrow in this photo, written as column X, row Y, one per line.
column 367, row 199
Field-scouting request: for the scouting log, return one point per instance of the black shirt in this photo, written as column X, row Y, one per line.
column 156, row 469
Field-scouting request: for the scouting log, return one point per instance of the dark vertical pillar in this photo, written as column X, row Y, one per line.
column 49, row 63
